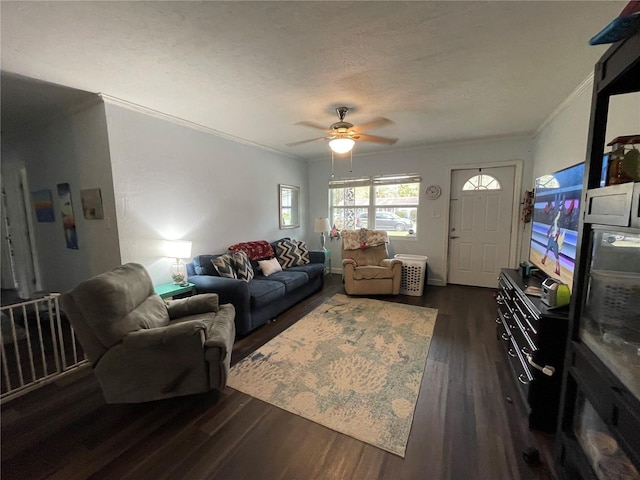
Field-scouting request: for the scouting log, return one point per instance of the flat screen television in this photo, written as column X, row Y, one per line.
column 556, row 216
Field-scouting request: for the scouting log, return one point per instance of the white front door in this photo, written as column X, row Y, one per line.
column 480, row 220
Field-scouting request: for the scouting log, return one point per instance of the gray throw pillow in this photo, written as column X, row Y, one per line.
column 242, row 264
column 225, row 265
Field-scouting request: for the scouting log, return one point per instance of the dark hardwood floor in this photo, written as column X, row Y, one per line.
column 469, row 422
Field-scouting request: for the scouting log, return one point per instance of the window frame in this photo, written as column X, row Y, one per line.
column 493, row 184
column 373, row 208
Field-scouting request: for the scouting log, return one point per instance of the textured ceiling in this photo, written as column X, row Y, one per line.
column 441, row 71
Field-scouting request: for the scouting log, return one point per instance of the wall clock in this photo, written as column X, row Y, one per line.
column 433, row 192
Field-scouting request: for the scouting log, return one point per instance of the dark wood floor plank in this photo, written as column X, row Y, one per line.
column 423, row 454
column 107, row 445
column 469, row 422
column 178, row 433
column 204, row 460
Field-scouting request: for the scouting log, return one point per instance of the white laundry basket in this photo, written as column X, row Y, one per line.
column 414, row 268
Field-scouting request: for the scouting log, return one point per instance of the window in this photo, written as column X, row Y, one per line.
column 349, row 200
column 482, row 182
column 392, row 201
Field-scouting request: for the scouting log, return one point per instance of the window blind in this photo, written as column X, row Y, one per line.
column 396, row 179
column 350, row 182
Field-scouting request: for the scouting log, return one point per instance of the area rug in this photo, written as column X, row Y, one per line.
column 353, row 365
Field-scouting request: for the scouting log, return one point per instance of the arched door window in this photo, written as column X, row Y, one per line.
column 482, row 182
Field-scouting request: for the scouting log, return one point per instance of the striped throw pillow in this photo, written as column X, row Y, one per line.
column 225, row 265
column 242, row 264
column 291, row 253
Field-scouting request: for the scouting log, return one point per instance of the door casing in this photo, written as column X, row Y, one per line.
column 514, row 245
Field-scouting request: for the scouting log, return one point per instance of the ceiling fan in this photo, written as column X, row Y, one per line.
column 342, row 135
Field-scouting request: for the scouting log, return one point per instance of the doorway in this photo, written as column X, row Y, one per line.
column 19, row 258
column 482, row 212
column 7, row 271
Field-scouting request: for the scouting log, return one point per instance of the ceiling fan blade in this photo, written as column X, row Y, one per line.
column 373, row 124
column 312, row 125
column 293, row 144
column 374, row 139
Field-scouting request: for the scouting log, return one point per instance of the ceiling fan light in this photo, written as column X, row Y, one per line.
column 341, row 145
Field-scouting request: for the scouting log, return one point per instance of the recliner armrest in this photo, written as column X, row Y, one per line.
column 171, row 335
column 390, row 262
column 194, row 305
column 222, row 329
column 349, row 261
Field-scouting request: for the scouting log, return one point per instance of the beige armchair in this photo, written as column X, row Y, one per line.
column 142, row 348
column 366, row 266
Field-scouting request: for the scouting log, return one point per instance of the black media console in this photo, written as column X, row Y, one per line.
column 534, row 338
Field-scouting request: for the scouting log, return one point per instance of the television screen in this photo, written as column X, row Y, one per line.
column 556, row 216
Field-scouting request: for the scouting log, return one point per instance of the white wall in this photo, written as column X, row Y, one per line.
column 433, row 164
column 563, row 140
column 176, row 182
column 71, row 149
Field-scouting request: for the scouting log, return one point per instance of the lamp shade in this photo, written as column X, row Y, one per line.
column 321, row 224
column 178, row 249
column 341, row 145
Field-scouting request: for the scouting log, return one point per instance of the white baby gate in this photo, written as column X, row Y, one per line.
column 38, row 346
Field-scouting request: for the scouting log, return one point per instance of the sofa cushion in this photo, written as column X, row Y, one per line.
column 242, row 266
column 263, row 291
column 225, row 265
column 313, row 270
column 202, row 265
column 290, row 279
column 291, row 253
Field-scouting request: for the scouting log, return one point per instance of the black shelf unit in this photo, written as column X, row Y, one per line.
column 592, row 391
column 532, row 334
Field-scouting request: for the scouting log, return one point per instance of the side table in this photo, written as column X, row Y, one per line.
column 327, row 261
column 169, row 290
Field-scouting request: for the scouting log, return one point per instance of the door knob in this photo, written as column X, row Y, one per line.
column 454, row 236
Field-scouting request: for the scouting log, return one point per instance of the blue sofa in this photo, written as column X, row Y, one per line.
column 263, row 298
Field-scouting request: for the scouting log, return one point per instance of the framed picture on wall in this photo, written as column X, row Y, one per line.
column 288, row 206
column 91, row 199
column 68, row 218
column 43, row 205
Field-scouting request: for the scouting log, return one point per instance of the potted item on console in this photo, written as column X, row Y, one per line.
column 624, row 160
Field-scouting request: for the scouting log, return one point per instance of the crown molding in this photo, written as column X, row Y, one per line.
column 587, row 83
column 189, row 124
column 522, row 136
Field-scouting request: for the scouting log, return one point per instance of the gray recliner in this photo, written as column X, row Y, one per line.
column 142, row 348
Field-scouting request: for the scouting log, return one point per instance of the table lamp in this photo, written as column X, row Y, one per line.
column 321, row 225
column 178, row 249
